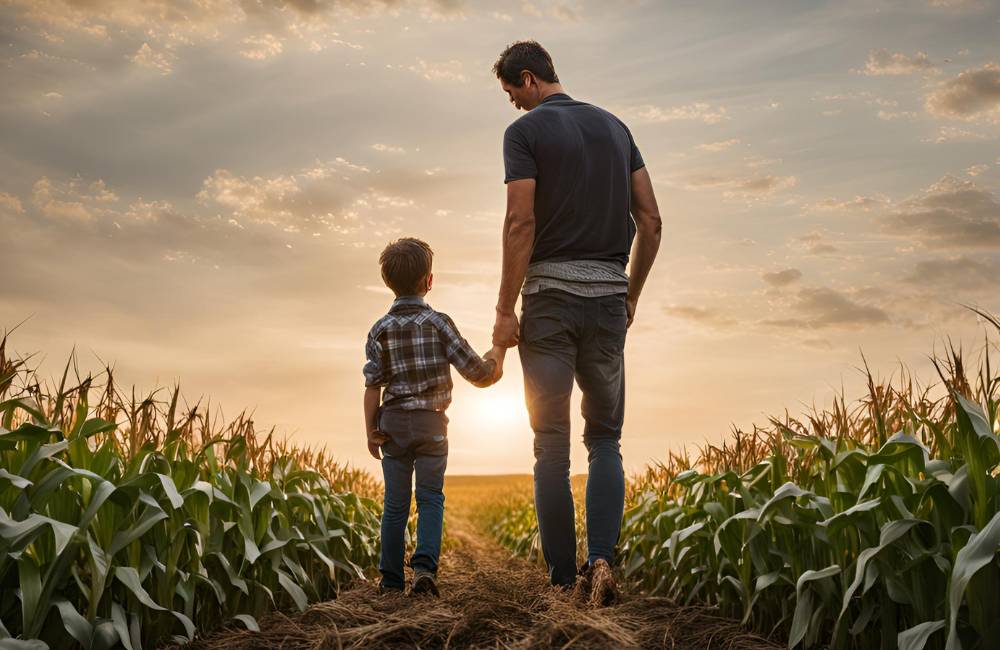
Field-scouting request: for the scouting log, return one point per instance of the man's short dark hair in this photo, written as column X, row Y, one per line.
column 404, row 264
column 525, row 55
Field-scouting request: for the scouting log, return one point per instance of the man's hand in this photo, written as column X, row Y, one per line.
column 630, row 305
column 506, row 330
column 375, row 440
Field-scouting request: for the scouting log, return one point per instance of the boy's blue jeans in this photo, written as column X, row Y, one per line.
column 565, row 337
column 418, row 441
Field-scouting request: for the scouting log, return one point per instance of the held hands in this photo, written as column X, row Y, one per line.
column 375, row 440
column 497, row 353
column 506, row 330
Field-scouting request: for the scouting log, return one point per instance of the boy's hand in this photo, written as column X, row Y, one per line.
column 375, row 440
column 497, row 353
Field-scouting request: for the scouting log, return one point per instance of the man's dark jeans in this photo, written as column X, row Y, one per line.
column 566, row 337
column 418, row 440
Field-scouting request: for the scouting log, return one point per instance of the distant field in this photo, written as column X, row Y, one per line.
column 465, row 493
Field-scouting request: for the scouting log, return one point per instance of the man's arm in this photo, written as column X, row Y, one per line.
column 647, row 236
column 518, row 241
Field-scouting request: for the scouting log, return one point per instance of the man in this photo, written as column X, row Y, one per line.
column 578, row 194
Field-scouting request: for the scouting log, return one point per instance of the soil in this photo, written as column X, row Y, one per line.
column 488, row 600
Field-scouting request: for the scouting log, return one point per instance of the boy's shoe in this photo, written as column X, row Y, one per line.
column 603, row 588
column 424, row 582
column 383, row 590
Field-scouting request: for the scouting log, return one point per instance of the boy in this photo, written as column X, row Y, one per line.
column 409, row 352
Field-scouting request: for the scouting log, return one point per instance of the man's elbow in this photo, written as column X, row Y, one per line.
column 520, row 221
column 649, row 224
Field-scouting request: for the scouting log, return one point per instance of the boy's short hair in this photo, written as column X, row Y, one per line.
column 525, row 55
column 404, row 264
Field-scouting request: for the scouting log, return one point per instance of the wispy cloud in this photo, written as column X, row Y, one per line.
column 972, row 95
column 825, row 307
column 722, row 145
column 260, row 47
column 697, row 111
column 883, row 62
column 782, row 278
column 951, row 213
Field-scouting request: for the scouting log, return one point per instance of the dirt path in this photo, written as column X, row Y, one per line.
column 488, row 600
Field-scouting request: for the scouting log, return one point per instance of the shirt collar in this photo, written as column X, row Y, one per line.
column 555, row 96
column 408, row 300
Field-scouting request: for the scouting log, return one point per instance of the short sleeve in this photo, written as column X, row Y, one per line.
column 374, row 369
column 518, row 160
column 635, row 158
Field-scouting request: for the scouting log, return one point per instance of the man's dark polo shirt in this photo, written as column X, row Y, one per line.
column 582, row 158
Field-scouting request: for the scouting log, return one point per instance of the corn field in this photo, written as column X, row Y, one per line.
column 874, row 524
column 135, row 521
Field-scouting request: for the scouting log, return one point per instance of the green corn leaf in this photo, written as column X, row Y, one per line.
column 249, row 621
column 293, row 590
column 17, row 481
column 130, row 578
column 19, row 644
column 977, row 553
column 915, row 638
column 150, row 517
column 176, row 500
column 120, row 622
column 76, row 625
column 95, row 426
column 30, row 580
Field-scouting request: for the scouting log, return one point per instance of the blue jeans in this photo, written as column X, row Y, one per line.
column 565, row 337
column 418, row 440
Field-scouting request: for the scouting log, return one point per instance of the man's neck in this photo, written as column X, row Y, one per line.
column 551, row 89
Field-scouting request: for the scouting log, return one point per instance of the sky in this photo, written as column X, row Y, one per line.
column 198, row 191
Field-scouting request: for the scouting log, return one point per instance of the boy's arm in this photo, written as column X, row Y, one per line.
column 374, row 373
column 373, row 394
column 479, row 371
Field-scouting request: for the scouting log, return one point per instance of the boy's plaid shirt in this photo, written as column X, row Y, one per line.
column 409, row 351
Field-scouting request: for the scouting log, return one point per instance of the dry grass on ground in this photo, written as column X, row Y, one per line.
column 489, row 600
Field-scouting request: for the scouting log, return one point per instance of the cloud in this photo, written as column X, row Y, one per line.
column 10, row 203
column 742, row 187
column 815, row 243
column 782, row 278
column 560, row 11
column 702, row 315
column 883, row 62
column 385, row 148
column 956, row 4
column 955, row 134
column 147, row 58
column 441, row 71
column 71, row 200
column 950, row 214
column 718, row 146
column 888, row 116
column 972, row 95
column 258, row 48
column 857, row 204
column 956, row 273
column 325, row 196
column 698, row 111
column 976, row 170
column 166, row 24
column 826, row 307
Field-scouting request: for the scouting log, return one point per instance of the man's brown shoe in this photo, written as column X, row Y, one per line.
column 603, row 588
